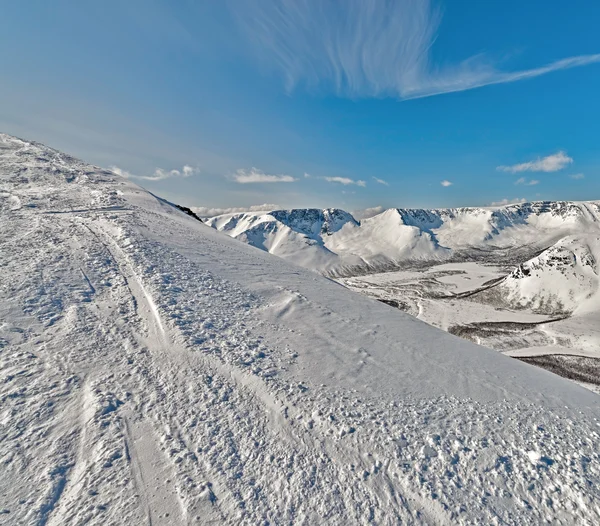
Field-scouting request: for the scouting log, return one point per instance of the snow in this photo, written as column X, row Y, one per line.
column 306, row 238
column 519, row 265
column 154, row 370
column 296, row 235
column 384, row 238
column 397, row 236
column 446, row 297
column 563, row 278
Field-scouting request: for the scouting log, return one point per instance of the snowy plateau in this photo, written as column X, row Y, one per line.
column 153, row 370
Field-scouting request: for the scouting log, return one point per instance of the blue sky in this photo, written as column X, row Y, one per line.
column 315, row 103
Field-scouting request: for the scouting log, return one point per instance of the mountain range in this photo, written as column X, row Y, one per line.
column 550, row 249
column 333, row 242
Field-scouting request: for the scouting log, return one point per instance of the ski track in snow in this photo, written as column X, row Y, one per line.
column 138, row 386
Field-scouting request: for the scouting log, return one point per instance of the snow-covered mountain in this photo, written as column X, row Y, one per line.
column 308, row 240
column 400, row 235
column 297, row 235
column 458, row 228
column 561, row 280
column 155, row 371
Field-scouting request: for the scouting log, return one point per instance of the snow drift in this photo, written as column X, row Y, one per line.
column 153, row 370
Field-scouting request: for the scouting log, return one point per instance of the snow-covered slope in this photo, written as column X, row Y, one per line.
column 297, row 235
column 153, row 370
column 401, row 235
column 311, row 239
column 512, row 225
column 561, row 280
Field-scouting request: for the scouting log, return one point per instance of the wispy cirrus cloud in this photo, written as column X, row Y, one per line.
column 158, row 175
column 345, row 181
column 577, row 176
column 381, row 181
column 254, row 175
column 368, row 48
column 552, row 163
column 526, row 182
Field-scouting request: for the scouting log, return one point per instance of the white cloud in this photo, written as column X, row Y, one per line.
column 446, row 183
column 504, row 202
column 307, row 175
column 577, row 176
column 204, row 211
column 524, row 181
column 368, row 48
column 365, row 213
column 159, row 173
column 345, row 181
column 254, row 175
column 552, row 163
column 121, row 172
column 381, row 181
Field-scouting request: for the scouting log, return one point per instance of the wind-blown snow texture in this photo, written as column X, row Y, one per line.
column 152, row 370
column 399, row 235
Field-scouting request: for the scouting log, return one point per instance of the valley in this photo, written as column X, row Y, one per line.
column 458, row 298
column 521, row 279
